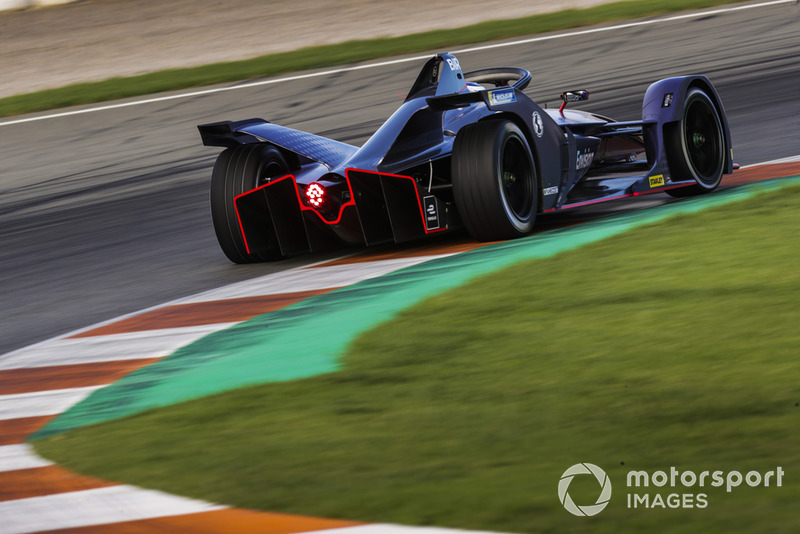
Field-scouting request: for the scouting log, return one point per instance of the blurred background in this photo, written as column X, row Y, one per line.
column 104, row 206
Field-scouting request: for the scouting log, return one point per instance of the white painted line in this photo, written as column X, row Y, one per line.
column 388, row 528
column 160, row 343
column 15, row 457
column 626, row 25
column 203, row 92
column 309, row 279
column 131, row 346
column 790, row 159
column 636, row 24
column 94, row 507
column 6, row 5
column 182, row 300
column 12, row 4
column 40, row 403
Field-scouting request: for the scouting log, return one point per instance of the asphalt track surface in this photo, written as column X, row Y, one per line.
column 46, row 48
column 106, row 213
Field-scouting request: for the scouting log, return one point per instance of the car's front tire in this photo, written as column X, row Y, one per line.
column 696, row 146
column 495, row 185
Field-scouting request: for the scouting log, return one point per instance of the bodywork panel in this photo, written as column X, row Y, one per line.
column 396, row 187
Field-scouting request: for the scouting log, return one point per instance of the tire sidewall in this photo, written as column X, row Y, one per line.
column 269, row 165
column 521, row 223
column 238, row 170
column 698, row 95
column 479, row 188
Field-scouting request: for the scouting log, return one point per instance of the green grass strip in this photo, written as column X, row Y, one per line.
column 308, row 338
column 674, row 344
column 337, row 54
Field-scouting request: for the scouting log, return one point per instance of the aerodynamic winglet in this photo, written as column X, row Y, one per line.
column 330, row 153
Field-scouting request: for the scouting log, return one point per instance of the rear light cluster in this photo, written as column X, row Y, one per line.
column 328, row 196
column 315, row 195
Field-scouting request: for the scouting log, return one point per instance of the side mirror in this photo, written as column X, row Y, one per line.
column 573, row 96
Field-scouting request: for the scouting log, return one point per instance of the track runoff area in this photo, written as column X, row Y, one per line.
column 42, row 381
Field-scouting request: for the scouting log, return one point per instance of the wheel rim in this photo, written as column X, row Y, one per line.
column 271, row 169
column 516, row 179
column 703, row 140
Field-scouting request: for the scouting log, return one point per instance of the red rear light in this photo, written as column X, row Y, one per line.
column 315, row 195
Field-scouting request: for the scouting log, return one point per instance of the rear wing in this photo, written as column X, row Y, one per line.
column 330, row 153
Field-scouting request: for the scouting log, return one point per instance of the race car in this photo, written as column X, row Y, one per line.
column 464, row 150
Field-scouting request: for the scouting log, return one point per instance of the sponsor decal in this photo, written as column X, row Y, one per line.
column 667, row 102
column 657, row 180
column 538, row 124
column 550, row 191
column 454, row 64
column 585, row 159
column 502, row 96
column 431, row 213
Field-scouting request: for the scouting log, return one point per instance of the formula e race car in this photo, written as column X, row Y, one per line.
column 463, row 150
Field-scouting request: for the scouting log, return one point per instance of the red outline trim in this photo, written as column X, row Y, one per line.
column 663, row 188
column 300, row 202
column 595, row 201
column 236, row 205
column 416, row 192
column 626, row 195
column 351, row 202
column 338, row 219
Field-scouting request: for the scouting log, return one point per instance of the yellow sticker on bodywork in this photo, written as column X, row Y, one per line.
column 657, row 181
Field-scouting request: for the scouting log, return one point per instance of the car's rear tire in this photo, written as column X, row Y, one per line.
column 495, row 185
column 696, row 146
column 238, row 170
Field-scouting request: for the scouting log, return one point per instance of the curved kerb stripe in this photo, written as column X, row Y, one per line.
column 276, row 346
column 39, row 381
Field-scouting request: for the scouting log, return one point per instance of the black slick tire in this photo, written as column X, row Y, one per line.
column 696, row 146
column 238, row 170
column 495, row 184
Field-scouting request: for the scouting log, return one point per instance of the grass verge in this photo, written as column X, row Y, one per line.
column 672, row 345
column 338, row 54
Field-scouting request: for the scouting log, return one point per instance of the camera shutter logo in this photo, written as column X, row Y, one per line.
column 584, row 469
